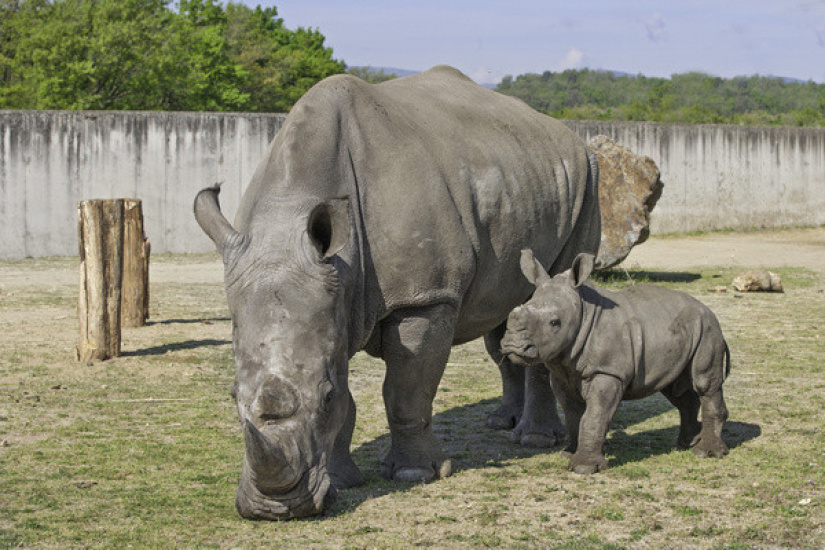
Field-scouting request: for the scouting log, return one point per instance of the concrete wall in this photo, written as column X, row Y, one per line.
column 51, row 160
column 715, row 176
column 719, row 177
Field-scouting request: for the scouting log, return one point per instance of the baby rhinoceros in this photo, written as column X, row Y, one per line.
column 602, row 347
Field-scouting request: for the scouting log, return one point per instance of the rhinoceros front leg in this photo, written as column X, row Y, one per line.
column 512, row 384
column 342, row 470
column 602, row 395
column 415, row 346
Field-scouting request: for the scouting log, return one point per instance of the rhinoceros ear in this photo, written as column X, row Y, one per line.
column 532, row 268
column 581, row 269
column 329, row 226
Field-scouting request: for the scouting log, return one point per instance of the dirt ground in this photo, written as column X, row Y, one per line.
column 782, row 248
column 778, row 248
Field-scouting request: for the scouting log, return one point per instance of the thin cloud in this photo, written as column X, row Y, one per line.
column 572, row 60
column 655, row 28
column 820, row 35
column 483, row 75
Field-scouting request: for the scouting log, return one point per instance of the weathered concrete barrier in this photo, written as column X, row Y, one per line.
column 51, row 160
column 715, row 176
column 720, row 177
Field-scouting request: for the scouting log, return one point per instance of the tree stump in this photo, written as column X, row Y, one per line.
column 100, row 237
column 114, row 275
column 134, row 296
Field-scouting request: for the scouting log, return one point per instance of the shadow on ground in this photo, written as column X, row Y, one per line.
column 471, row 445
column 620, row 275
column 189, row 321
column 177, row 346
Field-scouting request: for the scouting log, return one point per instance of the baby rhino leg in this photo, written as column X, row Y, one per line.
column 682, row 396
column 709, row 370
column 602, row 398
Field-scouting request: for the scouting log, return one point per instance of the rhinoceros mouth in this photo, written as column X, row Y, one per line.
column 527, row 355
column 309, row 497
column 520, row 350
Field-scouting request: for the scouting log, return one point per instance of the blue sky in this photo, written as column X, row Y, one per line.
column 488, row 39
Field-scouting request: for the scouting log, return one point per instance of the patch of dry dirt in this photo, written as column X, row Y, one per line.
column 782, row 248
column 779, row 248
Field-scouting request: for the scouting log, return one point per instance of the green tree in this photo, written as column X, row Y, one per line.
column 371, row 75
column 281, row 64
column 140, row 54
column 210, row 79
column 692, row 98
column 120, row 54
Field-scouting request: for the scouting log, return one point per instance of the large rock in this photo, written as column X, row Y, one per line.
column 629, row 187
column 758, row 281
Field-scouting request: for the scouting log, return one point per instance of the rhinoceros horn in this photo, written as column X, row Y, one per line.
column 271, row 466
column 214, row 224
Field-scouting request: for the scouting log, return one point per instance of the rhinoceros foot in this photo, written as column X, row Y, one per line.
column 538, row 433
column 416, row 474
column 345, row 474
column 415, row 460
column 504, row 418
column 706, row 446
column 586, row 464
column 535, row 440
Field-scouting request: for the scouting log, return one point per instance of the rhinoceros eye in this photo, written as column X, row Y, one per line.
column 555, row 322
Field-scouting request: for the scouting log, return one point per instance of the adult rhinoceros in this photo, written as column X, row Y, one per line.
column 388, row 218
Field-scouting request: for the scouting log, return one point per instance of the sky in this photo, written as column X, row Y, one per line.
column 488, row 39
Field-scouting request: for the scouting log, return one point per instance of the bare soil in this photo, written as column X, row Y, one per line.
column 782, row 248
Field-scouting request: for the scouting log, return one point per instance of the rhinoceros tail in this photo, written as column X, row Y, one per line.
column 727, row 360
column 593, row 182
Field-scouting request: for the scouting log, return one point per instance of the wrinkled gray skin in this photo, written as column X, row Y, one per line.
column 602, row 347
column 387, row 218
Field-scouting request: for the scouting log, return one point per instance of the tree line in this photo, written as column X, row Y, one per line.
column 689, row 98
column 148, row 55
column 202, row 55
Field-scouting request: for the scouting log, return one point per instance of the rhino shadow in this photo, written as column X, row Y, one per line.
column 464, row 438
column 471, row 445
column 625, row 448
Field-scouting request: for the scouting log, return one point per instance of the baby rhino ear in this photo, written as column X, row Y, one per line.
column 532, row 268
column 581, row 269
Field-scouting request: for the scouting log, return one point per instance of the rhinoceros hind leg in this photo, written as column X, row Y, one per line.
column 342, row 470
column 415, row 347
column 540, row 425
column 710, row 366
column 687, row 402
column 709, row 441
column 507, row 416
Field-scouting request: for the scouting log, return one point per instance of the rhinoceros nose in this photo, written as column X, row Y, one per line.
column 517, row 317
column 276, row 399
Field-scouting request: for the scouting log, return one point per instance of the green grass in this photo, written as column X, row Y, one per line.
column 145, row 450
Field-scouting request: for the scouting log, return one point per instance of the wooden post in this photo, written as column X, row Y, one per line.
column 100, row 236
column 134, row 302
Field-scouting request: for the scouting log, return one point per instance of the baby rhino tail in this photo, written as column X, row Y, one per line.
column 727, row 360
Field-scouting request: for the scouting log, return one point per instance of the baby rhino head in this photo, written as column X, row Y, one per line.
column 547, row 325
